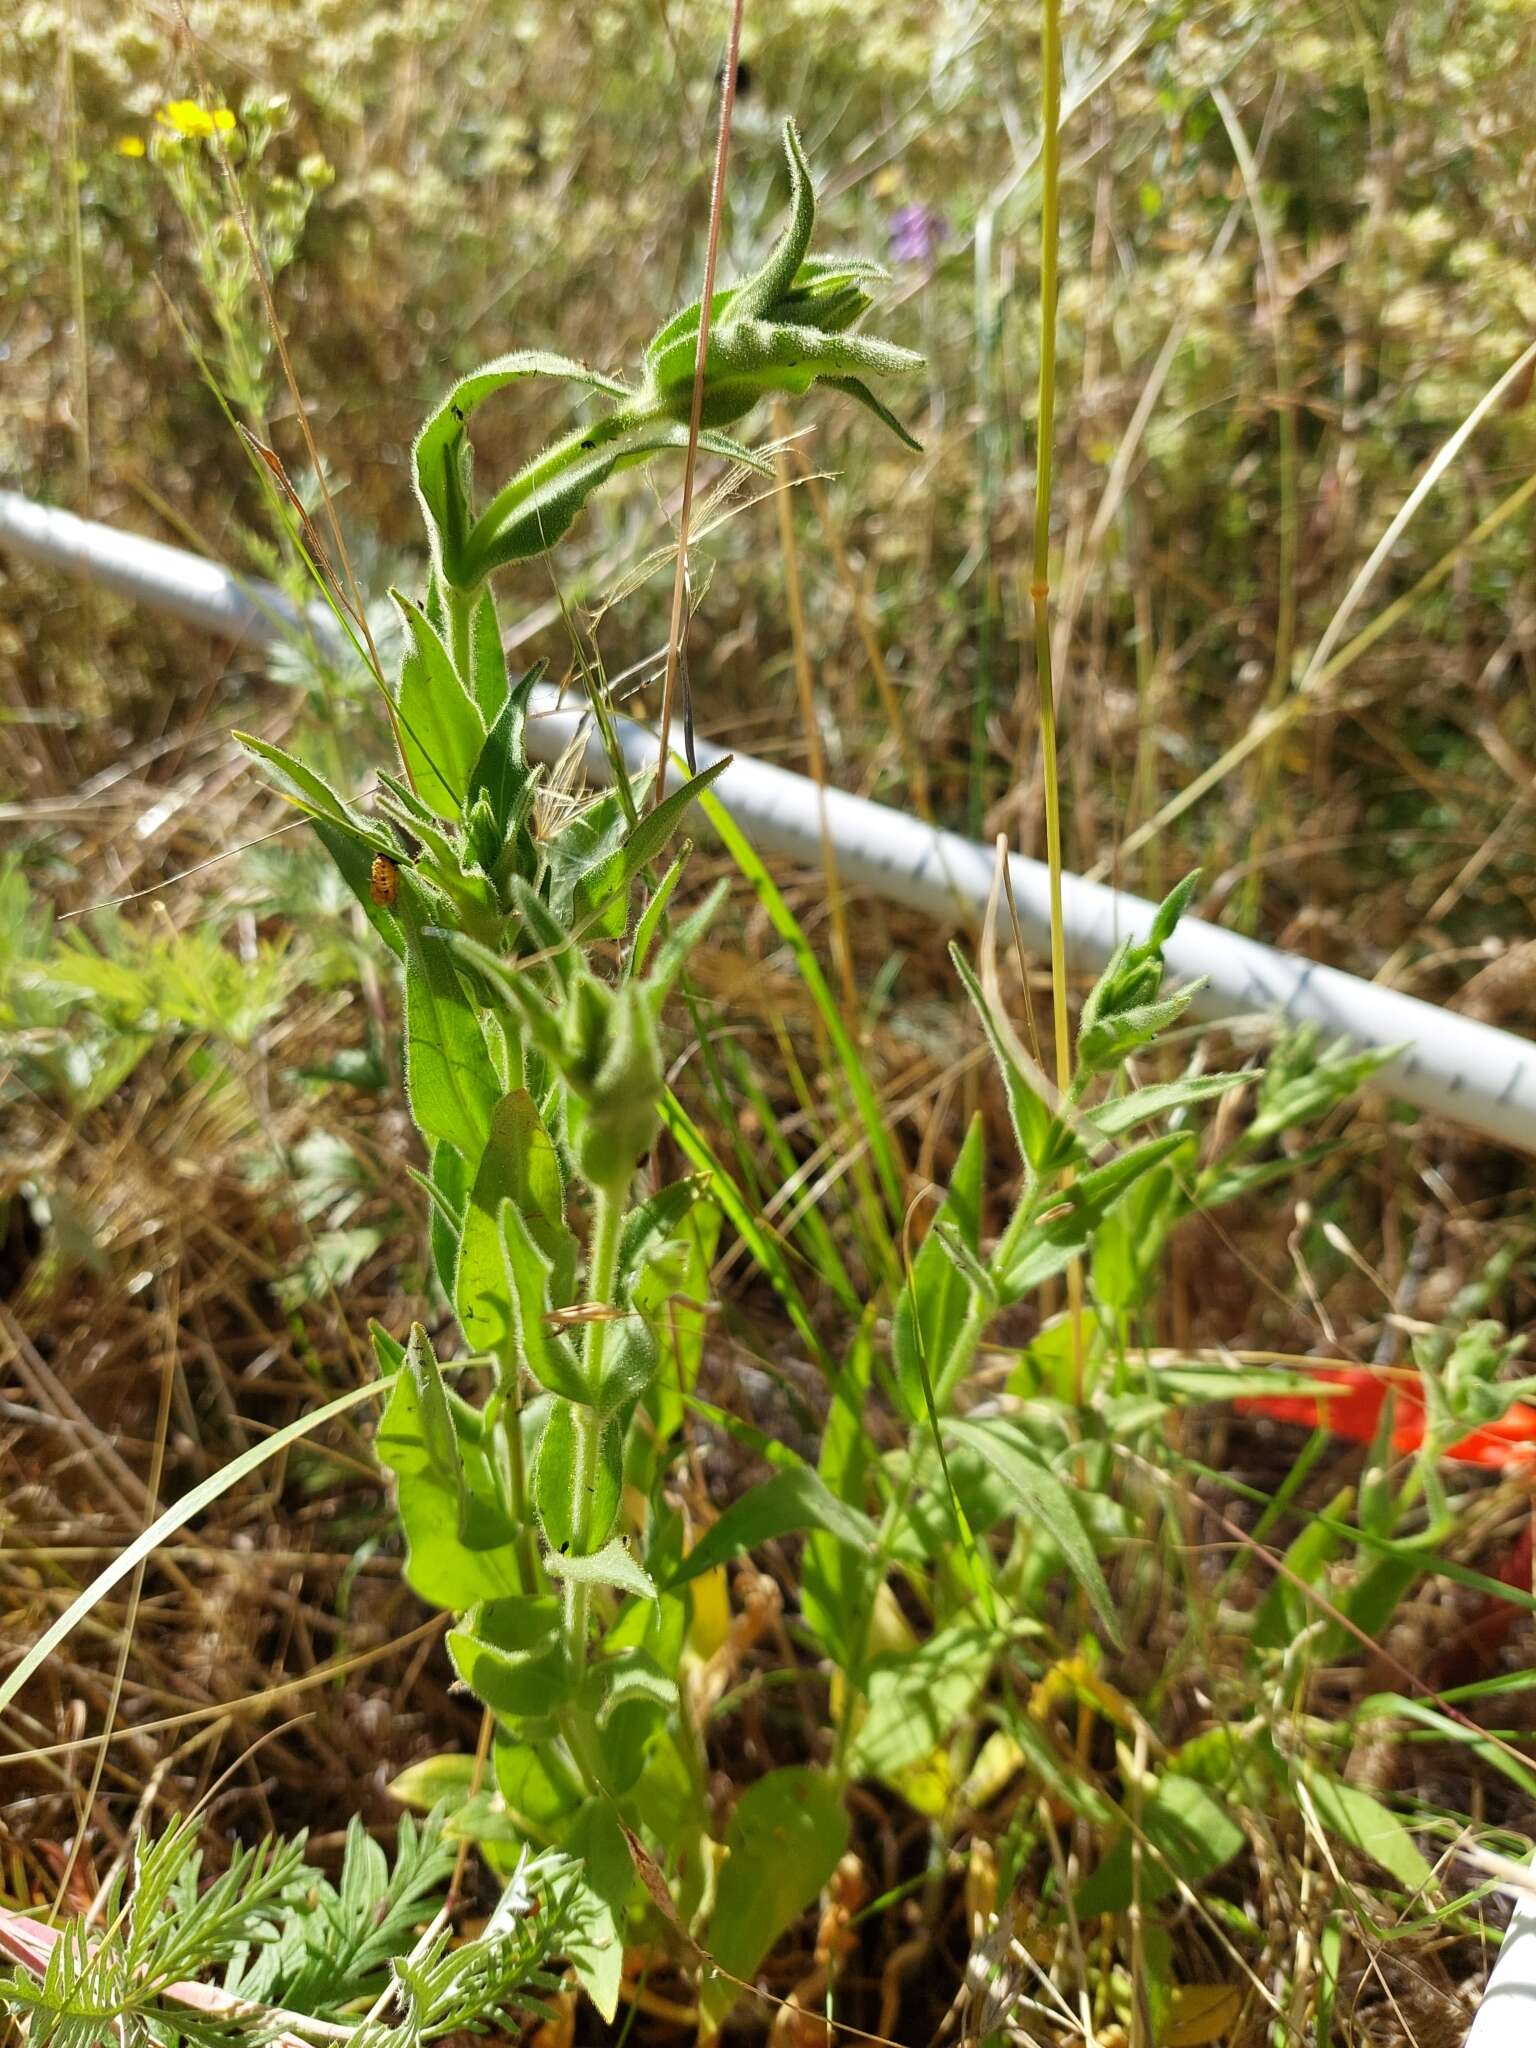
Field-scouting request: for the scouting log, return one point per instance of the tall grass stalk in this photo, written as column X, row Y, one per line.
column 679, row 621
column 1040, row 582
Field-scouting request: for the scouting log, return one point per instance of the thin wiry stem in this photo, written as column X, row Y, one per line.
column 1040, row 585
column 678, row 625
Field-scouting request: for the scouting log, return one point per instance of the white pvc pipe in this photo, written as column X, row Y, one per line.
column 1482, row 1078
column 1507, row 2016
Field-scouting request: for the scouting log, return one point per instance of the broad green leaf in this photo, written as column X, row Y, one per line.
column 1285, row 1609
column 577, row 1479
column 1242, row 1765
column 630, row 1678
column 916, row 1697
column 1130, row 1241
column 834, row 1577
column 1375, row 1597
column 501, row 772
column 602, row 893
column 447, row 1189
column 1123, row 1113
column 436, row 1418
column 597, row 1903
column 630, row 1359
column 511, row 1655
column 1109, row 1040
column 537, row 1787
column 354, row 863
column 933, row 1305
column 449, row 1076
column 1189, row 1834
column 784, row 1840
column 1354, row 1816
column 441, row 728
column 589, row 837
column 614, row 1565
column 649, row 922
column 315, row 796
column 632, row 1703
column 458, row 1531
column 544, row 1352
column 1045, row 1503
column 539, row 506
column 665, row 1267
column 1049, row 1246
column 793, row 1499
column 519, row 1165
column 435, row 1780
column 962, row 1492
column 489, row 660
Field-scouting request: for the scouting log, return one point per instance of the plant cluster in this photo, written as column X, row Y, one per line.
column 533, row 998
column 534, row 1469
column 367, row 1959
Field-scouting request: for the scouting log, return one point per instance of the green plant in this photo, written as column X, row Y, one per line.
column 533, row 1000
column 292, row 1954
column 532, row 1472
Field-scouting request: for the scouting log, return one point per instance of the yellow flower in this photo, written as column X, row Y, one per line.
column 129, row 145
column 186, row 117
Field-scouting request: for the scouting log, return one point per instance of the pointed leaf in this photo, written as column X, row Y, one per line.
column 784, row 1840
column 937, row 1297
column 1190, row 1836
column 520, row 1165
column 315, row 797
column 440, row 456
column 614, row 1565
column 1044, row 1502
column 793, row 1499
column 756, row 297
column 1354, row 1816
column 856, row 389
column 489, row 660
column 441, row 728
column 449, row 1076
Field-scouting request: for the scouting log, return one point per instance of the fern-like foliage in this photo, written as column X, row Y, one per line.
column 158, row 1931
column 298, row 1957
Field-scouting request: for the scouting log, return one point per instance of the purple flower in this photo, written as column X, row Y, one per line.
column 917, row 235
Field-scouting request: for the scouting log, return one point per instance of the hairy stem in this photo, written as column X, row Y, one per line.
column 461, row 632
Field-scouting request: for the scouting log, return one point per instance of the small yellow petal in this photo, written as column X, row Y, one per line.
column 130, row 145
column 186, row 117
column 223, row 120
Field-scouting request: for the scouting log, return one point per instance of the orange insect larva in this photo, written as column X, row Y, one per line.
column 384, row 882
